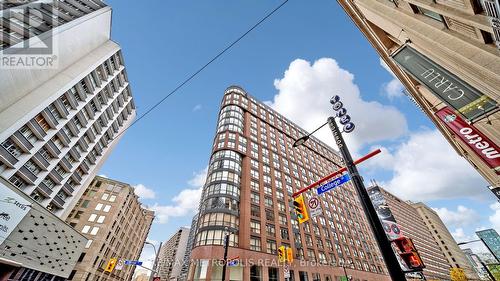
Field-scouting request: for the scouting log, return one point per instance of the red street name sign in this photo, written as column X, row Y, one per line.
column 477, row 141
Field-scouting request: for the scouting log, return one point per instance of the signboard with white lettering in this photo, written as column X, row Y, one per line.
column 13, row 208
column 334, row 183
column 458, row 94
column 485, row 148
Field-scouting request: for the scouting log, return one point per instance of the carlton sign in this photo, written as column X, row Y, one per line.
column 486, row 149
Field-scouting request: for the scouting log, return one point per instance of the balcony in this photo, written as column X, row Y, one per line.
column 52, row 148
column 55, row 176
column 65, row 164
column 44, row 189
column 37, row 130
column 42, row 162
column 50, row 118
column 7, row 158
column 85, row 167
column 27, row 175
column 64, row 137
column 76, row 177
column 68, row 189
column 75, row 153
column 21, row 140
column 58, row 202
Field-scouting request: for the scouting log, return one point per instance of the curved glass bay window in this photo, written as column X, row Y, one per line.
column 220, row 202
column 231, row 119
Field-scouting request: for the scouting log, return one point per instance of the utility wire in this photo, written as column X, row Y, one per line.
column 187, row 80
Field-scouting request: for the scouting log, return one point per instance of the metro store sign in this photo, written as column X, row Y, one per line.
column 485, row 148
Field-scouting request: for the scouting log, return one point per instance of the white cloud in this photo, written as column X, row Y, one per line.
column 427, row 168
column 103, row 176
column 460, row 236
column 184, row 203
column 197, row 107
column 463, row 216
column 143, row 192
column 495, row 218
column 305, row 92
column 393, row 88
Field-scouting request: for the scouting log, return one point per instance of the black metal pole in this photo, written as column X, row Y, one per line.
column 345, row 273
column 226, row 246
column 385, row 247
column 488, row 270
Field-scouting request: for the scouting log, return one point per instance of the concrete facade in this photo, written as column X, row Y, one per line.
column 452, row 252
column 461, row 36
column 59, row 124
column 252, row 174
column 110, row 215
column 171, row 256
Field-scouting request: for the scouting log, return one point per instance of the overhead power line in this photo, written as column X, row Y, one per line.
column 194, row 74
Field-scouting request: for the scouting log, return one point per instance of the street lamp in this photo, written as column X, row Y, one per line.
column 384, row 244
column 227, row 233
column 156, row 259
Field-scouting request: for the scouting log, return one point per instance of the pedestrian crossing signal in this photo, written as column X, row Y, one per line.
column 300, row 208
column 409, row 253
column 289, row 255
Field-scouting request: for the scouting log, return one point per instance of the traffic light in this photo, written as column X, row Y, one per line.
column 289, row 255
column 409, row 253
column 300, row 208
column 281, row 254
column 111, row 265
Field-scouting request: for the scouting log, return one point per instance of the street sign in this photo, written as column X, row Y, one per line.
column 334, row 183
column 119, row 264
column 131, row 262
column 233, row 261
column 286, row 271
column 314, row 207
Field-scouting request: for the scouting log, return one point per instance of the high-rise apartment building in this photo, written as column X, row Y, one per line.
column 452, row 252
column 252, row 174
column 58, row 124
column 110, row 215
column 189, row 247
column 446, row 54
column 414, row 227
column 477, row 264
column 171, row 256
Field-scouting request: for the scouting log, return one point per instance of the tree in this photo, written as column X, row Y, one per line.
column 457, row 274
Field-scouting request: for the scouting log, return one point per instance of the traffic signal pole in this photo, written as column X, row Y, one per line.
column 226, row 246
column 384, row 244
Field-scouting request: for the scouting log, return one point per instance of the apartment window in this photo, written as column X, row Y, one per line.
column 101, row 219
column 273, row 274
column 32, row 167
column 53, row 110
column 255, row 244
column 269, row 215
column 255, row 273
column 12, row 148
column 89, row 242
column 98, row 207
column 254, row 198
column 284, row 234
column 28, row 134
column 428, row 13
column 270, row 230
column 105, row 196
column 17, row 181
column 255, row 211
column 92, row 217
column 85, row 203
column 107, row 208
column 42, row 122
column 49, row 183
column 271, row 247
column 86, row 229
column 255, row 226
column 94, row 231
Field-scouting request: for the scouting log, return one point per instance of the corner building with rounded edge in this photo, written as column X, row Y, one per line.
column 253, row 171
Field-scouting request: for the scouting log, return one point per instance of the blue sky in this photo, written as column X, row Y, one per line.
column 163, row 42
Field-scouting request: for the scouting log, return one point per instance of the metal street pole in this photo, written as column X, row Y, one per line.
column 226, row 246
column 157, row 254
column 391, row 262
column 345, row 273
